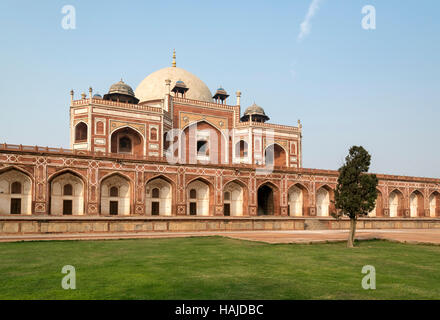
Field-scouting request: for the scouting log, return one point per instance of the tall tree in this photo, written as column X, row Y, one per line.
column 356, row 193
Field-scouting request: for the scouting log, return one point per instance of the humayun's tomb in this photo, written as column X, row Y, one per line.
column 172, row 156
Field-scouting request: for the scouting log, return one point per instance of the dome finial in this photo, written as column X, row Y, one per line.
column 174, row 57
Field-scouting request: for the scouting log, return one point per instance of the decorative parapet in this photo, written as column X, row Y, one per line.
column 205, row 104
column 267, row 125
column 100, row 102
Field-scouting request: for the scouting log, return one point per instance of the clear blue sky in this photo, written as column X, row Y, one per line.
column 377, row 88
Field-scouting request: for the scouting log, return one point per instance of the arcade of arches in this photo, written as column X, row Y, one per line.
column 67, row 195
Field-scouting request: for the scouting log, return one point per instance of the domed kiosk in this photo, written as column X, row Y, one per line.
column 121, row 92
column 256, row 113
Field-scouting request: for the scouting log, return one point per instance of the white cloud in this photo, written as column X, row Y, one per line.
column 305, row 26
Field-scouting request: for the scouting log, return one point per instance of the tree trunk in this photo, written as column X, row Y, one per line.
column 350, row 242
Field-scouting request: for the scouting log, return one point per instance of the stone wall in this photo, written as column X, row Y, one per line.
column 44, row 225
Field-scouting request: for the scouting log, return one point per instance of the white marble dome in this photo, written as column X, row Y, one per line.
column 153, row 86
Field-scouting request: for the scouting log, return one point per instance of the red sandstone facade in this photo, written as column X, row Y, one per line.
column 218, row 165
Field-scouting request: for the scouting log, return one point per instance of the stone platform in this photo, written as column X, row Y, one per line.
column 413, row 236
column 60, row 225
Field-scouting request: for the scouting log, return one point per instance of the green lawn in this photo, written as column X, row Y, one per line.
column 217, row 268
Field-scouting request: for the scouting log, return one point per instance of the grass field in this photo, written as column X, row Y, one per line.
column 217, row 268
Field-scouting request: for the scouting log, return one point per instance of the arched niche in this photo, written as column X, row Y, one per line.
column 159, row 197
column 15, row 192
column 298, row 200
column 115, row 195
column 203, row 142
column 199, row 198
column 275, row 155
column 66, row 194
column 81, row 132
column 434, row 204
column 324, row 198
column 416, row 204
column 395, row 203
column 127, row 141
column 234, row 199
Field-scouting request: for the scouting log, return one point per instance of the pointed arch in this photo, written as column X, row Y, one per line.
column 15, row 191
column 395, row 203
column 324, row 201
column 159, row 195
column 297, row 199
column 81, row 131
column 268, row 199
column 70, row 202
column 237, row 203
column 14, row 167
column 434, row 204
column 278, row 155
column 416, row 204
column 200, row 197
column 120, row 205
column 127, row 140
column 63, row 171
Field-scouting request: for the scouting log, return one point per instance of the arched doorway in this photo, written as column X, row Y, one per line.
column 297, row 200
column 267, row 198
column 198, row 198
column 67, row 195
column 434, row 204
column 275, row 155
column 416, row 204
column 127, row 141
column 15, row 192
column 324, row 198
column 115, row 195
column 158, row 197
column 234, row 199
column 395, row 202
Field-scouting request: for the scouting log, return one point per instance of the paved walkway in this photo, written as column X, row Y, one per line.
column 402, row 235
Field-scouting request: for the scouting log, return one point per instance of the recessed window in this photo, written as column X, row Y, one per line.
column 16, row 188
column 125, row 145
column 202, row 148
column 227, row 196
column 80, row 132
column 114, row 192
column 68, row 190
column 155, row 193
column 100, row 127
column 193, row 194
column 153, row 134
